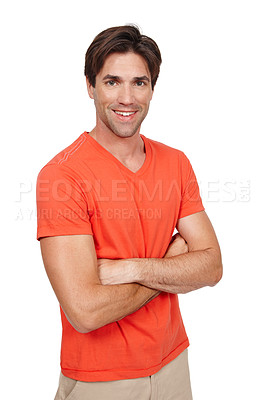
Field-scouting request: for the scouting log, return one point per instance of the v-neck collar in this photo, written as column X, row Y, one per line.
column 109, row 155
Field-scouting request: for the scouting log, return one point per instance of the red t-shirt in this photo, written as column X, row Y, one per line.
column 86, row 190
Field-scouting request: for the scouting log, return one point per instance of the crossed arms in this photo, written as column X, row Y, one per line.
column 93, row 293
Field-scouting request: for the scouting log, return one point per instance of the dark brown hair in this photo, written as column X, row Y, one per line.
column 121, row 39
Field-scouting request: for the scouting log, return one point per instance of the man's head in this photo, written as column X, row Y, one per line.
column 121, row 39
column 121, row 69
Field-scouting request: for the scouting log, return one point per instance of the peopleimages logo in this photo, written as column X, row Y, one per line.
column 117, row 190
column 122, row 190
column 212, row 191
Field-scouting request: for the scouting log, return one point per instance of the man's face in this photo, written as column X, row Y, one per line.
column 122, row 94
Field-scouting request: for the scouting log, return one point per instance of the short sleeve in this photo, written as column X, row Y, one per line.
column 190, row 197
column 62, row 206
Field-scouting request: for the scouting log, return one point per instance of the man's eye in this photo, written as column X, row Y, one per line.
column 140, row 83
column 110, row 83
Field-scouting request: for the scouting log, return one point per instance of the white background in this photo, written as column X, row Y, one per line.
column 209, row 102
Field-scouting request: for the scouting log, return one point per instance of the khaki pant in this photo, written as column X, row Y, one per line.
column 172, row 382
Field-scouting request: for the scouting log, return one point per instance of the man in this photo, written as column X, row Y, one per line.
column 107, row 209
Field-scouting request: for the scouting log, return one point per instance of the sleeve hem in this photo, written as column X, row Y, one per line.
column 48, row 233
column 186, row 213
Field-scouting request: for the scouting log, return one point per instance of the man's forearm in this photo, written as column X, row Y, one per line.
column 111, row 303
column 177, row 274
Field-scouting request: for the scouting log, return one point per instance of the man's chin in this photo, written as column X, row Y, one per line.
column 126, row 133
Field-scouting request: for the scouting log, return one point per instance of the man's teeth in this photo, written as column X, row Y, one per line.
column 125, row 114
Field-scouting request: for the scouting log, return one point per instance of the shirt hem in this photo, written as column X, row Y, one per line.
column 103, row 376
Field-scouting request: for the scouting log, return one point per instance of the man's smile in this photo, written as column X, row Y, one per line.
column 125, row 115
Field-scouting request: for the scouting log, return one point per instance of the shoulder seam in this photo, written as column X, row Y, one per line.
column 72, row 151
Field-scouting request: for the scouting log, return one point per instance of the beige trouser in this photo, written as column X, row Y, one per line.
column 172, row 382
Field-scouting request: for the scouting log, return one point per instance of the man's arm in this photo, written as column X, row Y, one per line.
column 201, row 266
column 71, row 265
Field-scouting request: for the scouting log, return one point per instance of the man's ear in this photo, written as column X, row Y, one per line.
column 90, row 88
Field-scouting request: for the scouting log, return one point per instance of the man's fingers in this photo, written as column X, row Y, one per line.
column 174, row 237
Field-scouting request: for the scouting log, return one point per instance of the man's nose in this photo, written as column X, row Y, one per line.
column 126, row 95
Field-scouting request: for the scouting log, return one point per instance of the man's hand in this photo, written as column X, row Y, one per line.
column 177, row 246
column 113, row 272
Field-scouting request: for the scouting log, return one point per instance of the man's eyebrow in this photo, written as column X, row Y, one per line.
column 114, row 77
column 142, row 78
column 118, row 78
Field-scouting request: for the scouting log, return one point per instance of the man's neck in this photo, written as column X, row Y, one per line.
column 129, row 151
